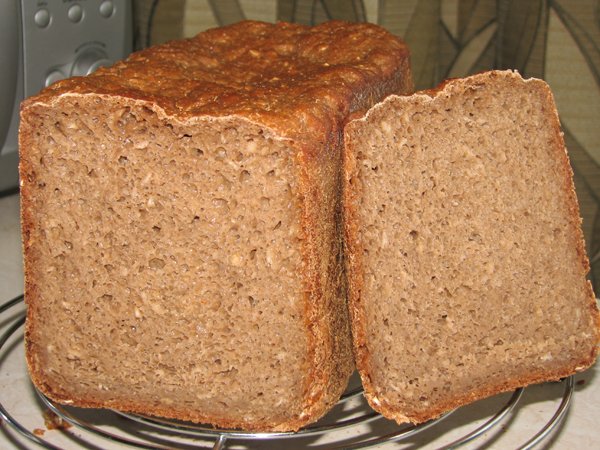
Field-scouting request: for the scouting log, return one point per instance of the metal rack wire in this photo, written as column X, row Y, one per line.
column 154, row 433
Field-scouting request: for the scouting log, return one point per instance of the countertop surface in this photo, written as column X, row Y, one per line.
column 537, row 405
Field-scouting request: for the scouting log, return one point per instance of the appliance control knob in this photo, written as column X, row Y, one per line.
column 89, row 61
column 107, row 8
column 42, row 18
column 75, row 13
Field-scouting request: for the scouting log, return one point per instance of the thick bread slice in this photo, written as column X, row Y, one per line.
column 181, row 224
column 466, row 262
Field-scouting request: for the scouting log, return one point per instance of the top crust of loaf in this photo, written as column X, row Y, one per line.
column 300, row 81
column 420, row 100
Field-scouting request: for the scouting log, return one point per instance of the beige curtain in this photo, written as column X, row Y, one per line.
column 557, row 40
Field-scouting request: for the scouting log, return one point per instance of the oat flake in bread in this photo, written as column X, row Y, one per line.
column 467, row 268
column 181, row 224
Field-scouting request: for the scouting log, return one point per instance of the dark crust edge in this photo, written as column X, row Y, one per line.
column 354, row 263
column 391, row 411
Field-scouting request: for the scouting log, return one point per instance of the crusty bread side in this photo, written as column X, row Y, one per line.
column 181, row 217
column 465, row 255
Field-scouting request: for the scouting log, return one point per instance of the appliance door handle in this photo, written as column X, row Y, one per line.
column 9, row 63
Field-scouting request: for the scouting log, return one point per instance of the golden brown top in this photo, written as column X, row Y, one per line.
column 287, row 76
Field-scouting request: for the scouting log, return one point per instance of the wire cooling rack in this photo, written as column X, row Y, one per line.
column 350, row 425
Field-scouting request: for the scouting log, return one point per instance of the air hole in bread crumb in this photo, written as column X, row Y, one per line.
column 69, row 245
column 251, row 300
column 123, row 159
column 109, row 268
column 195, row 219
column 276, row 227
column 271, row 173
column 156, row 228
column 475, row 237
column 220, row 204
column 253, row 254
column 156, row 263
column 244, row 176
column 106, row 298
column 221, row 154
column 199, row 152
column 413, row 234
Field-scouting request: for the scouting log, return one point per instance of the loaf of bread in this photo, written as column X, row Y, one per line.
column 466, row 262
column 182, row 224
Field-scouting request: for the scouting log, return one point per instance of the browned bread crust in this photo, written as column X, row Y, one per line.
column 402, row 400
column 291, row 84
column 301, row 81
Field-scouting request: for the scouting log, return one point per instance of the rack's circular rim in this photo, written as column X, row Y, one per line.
column 221, row 436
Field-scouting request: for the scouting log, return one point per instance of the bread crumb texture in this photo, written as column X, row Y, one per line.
column 181, row 214
column 466, row 249
column 167, row 263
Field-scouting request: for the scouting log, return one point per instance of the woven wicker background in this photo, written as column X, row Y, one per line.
column 557, row 40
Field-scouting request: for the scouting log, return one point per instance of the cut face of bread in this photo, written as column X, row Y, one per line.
column 182, row 224
column 167, row 264
column 466, row 262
